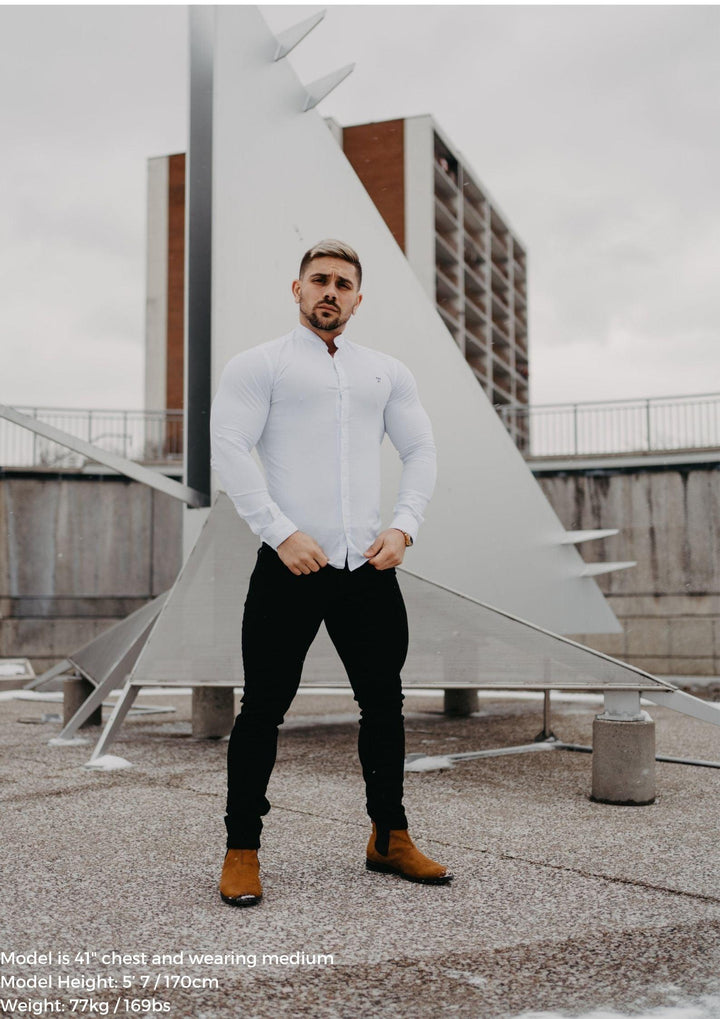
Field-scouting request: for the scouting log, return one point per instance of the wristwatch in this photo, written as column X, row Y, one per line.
column 408, row 539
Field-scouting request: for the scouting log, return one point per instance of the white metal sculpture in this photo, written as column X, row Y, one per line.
column 281, row 182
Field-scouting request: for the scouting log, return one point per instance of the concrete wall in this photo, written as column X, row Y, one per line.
column 77, row 553
column 669, row 520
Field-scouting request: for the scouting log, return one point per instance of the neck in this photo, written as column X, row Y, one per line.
column 328, row 336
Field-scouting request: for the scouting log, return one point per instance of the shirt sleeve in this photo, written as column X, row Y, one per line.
column 237, row 419
column 410, row 432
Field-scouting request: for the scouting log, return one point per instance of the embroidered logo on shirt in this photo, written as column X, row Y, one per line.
column 378, row 378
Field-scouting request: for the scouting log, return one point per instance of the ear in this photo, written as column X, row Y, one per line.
column 296, row 291
column 357, row 303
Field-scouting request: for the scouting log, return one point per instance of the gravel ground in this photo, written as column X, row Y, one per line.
column 558, row 904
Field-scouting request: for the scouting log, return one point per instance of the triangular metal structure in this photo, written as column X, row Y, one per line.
column 456, row 641
column 280, row 183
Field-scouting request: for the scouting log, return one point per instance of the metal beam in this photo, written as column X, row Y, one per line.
column 129, row 468
column 678, row 700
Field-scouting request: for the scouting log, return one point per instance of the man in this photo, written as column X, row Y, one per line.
column 317, row 407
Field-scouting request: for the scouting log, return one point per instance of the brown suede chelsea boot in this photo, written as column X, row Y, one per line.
column 240, row 878
column 395, row 853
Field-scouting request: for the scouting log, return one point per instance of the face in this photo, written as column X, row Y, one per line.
column 328, row 295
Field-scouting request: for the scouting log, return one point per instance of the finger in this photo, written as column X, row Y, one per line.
column 374, row 548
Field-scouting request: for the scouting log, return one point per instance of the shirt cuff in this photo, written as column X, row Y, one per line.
column 407, row 523
column 276, row 533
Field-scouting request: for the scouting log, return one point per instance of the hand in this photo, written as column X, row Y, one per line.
column 387, row 550
column 301, row 554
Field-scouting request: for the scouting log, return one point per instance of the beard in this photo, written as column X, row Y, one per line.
column 325, row 324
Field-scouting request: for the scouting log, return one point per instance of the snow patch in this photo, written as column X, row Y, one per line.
column 429, row 764
column 107, row 763
column 12, row 669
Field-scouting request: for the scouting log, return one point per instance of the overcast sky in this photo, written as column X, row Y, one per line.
column 595, row 129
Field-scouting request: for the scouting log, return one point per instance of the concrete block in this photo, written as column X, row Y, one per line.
column 30, row 506
column 103, row 533
column 702, row 605
column 656, row 666
column 47, row 638
column 5, row 542
column 647, row 637
column 613, row 644
column 623, row 762
column 702, row 531
column 167, row 525
column 692, row 638
column 460, row 703
column 692, row 666
column 213, row 711
column 76, row 690
column 67, row 607
column 629, row 605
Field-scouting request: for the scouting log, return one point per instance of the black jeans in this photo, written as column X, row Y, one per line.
column 365, row 616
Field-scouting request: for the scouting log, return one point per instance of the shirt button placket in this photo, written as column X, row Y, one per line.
column 344, row 446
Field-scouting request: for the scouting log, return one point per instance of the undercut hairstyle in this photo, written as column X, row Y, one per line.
column 331, row 248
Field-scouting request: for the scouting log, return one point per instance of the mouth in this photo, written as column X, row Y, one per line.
column 327, row 307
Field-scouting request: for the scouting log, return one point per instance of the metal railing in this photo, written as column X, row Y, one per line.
column 147, row 436
column 657, row 424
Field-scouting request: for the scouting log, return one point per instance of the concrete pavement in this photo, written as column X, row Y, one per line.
column 558, row 903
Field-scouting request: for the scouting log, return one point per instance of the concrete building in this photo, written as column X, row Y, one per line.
column 457, row 241
column 459, row 245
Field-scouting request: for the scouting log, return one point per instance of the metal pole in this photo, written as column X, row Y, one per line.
column 648, row 425
column 198, row 248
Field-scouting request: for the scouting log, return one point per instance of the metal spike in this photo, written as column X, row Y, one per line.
column 290, row 37
column 595, row 569
column 573, row 537
column 318, row 90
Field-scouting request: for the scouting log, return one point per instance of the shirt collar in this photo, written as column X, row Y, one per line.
column 309, row 334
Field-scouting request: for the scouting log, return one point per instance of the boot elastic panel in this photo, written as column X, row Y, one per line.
column 382, row 840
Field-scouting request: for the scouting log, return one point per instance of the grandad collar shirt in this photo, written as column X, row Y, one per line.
column 317, row 422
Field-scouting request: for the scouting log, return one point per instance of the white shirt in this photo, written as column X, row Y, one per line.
column 318, row 422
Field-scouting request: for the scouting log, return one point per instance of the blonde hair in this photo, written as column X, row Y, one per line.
column 330, row 248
